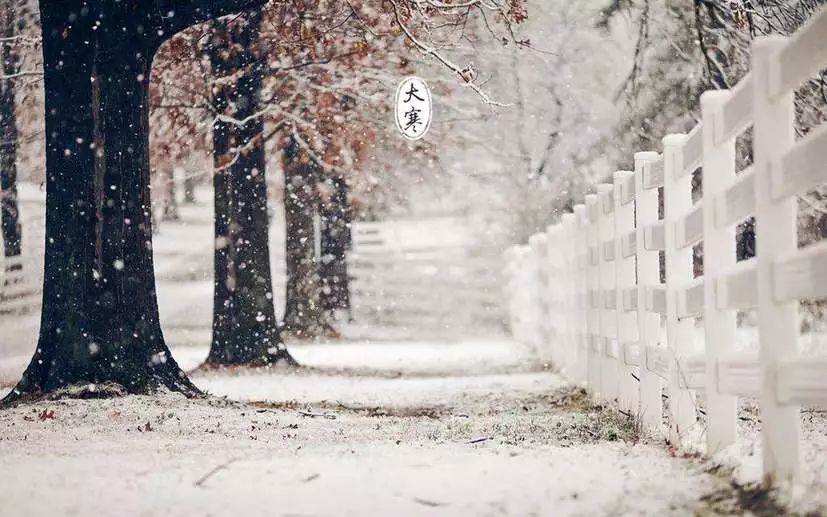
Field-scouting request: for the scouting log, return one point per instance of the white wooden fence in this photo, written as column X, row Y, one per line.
column 21, row 277
column 589, row 292
column 429, row 276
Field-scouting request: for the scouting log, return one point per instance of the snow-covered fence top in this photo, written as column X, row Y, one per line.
column 603, row 314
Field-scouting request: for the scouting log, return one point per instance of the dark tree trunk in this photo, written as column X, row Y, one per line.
column 303, row 315
column 100, row 322
column 189, row 189
column 245, row 328
column 170, row 212
column 9, row 212
column 335, row 242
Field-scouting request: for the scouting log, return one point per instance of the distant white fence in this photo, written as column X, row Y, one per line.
column 588, row 290
column 21, row 278
column 425, row 275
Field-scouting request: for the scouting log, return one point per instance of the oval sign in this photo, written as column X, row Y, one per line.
column 413, row 108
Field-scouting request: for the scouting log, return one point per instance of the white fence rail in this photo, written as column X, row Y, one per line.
column 589, row 290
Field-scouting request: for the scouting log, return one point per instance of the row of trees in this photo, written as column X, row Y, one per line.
column 294, row 73
column 226, row 106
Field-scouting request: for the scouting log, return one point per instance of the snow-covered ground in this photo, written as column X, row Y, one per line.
column 479, row 429
column 403, row 428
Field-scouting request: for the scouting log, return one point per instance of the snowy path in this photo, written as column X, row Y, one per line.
column 423, row 429
column 412, row 428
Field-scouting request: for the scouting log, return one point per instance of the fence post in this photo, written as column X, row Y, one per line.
column 608, row 284
column 517, row 293
column 719, row 256
column 648, row 276
column 582, row 293
column 527, row 294
column 677, row 200
column 553, row 291
column 593, row 269
column 508, row 289
column 577, row 294
column 570, row 283
column 539, row 265
column 776, row 236
column 539, row 262
column 583, row 290
column 559, row 290
column 626, row 325
column 520, row 293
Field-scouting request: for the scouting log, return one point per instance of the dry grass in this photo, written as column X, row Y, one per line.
column 737, row 499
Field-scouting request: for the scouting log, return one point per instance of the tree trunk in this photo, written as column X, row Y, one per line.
column 99, row 322
column 335, row 241
column 170, row 212
column 245, row 328
column 9, row 212
column 302, row 315
column 189, row 188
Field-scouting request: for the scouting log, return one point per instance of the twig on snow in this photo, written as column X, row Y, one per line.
column 432, row 504
column 329, row 416
column 214, row 471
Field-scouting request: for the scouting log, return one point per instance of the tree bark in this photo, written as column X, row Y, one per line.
column 303, row 314
column 170, row 212
column 9, row 210
column 245, row 328
column 99, row 322
column 335, row 242
column 189, row 188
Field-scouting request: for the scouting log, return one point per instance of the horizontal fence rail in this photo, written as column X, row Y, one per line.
column 589, row 290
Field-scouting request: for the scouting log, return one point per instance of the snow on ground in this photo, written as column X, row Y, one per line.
column 743, row 458
column 502, row 438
